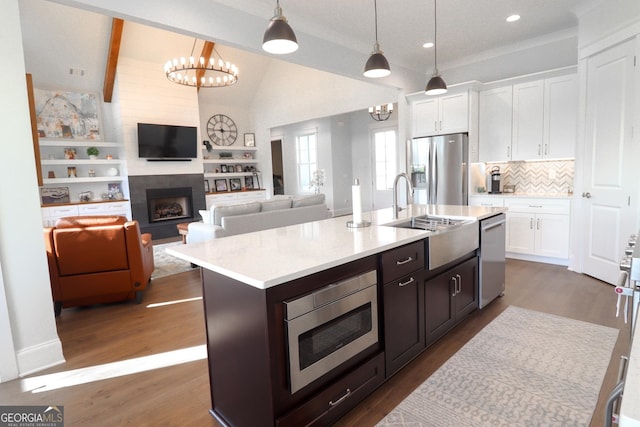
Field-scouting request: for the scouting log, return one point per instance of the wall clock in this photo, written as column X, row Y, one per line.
column 222, row 129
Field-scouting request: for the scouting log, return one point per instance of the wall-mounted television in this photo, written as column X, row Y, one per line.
column 167, row 142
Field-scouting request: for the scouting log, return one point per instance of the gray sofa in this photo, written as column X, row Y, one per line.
column 228, row 220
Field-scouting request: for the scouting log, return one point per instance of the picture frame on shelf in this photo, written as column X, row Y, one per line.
column 238, row 168
column 231, row 168
column 68, row 115
column 221, row 185
column 235, row 184
column 249, row 140
column 223, row 168
column 248, row 182
column 114, row 191
column 53, row 195
column 206, row 186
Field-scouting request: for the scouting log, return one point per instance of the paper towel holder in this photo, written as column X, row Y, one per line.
column 361, row 223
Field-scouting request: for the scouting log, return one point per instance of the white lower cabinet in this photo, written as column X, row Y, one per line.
column 51, row 214
column 539, row 228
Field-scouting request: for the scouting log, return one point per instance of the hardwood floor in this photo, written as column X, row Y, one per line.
column 170, row 319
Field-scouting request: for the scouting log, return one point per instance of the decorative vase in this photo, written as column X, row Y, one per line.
column 112, row 172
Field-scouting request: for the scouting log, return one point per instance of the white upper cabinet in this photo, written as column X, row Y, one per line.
column 528, row 121
column 441, row 115
column 494, row 124
column 528, row 117
column 560, row 116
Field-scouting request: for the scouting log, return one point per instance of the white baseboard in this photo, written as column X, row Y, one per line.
column 39, row 357
column 535, row 258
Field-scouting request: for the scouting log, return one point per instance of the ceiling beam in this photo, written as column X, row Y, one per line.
column 207, row 50
column 112, row 58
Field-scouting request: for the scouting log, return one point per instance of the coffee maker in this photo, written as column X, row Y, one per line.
column 495, row 180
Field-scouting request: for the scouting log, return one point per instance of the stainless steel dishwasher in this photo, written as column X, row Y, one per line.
column 492, row 260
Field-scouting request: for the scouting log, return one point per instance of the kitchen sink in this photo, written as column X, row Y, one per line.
column 431, row 223
column 450, row 238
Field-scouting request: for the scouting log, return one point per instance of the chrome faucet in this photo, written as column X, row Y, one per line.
column 395, row 206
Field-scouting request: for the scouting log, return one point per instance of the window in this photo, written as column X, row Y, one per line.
column 385, row 158
column 307, row 159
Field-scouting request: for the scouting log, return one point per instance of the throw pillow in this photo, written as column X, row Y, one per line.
column 206, row 216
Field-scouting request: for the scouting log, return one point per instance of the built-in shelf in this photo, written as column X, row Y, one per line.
column 60, row 162
column 227, row 175
column 230, row 148
column 44, row 142
column 82, row 180
column 229, row 161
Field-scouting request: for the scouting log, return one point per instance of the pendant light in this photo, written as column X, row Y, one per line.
column 436, row 85
column 279, row 38
column 377, row 65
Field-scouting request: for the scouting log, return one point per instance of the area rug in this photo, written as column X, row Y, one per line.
column 525, row 368
column 165, row 264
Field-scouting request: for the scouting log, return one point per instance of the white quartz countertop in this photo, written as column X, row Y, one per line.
column 271, row 257
column 630, row 409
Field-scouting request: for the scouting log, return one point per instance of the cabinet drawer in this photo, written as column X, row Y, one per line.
column 338, row 398
column 562, row 206
column 92, row 209
column 496, row 202
column 399, row 262
column 60, row 211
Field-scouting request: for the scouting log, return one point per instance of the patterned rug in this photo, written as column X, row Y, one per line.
column 166, row 264
column 523, row 369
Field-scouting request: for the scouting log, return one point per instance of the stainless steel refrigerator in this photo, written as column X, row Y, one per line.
column 439, row 169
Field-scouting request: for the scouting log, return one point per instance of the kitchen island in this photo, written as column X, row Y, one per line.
column 252, row 284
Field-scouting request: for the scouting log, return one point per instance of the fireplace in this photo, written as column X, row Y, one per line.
column 165, row 204
column 160, row 202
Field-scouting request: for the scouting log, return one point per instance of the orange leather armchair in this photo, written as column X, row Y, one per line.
column 97, row 259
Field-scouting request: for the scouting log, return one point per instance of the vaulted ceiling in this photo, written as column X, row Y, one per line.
column 471, row 35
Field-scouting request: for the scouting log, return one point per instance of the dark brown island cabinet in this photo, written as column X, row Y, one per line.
column 250, row 363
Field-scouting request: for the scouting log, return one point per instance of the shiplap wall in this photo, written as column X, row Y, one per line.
column 145, row 95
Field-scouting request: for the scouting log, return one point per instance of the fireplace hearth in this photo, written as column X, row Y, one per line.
column 160, row 202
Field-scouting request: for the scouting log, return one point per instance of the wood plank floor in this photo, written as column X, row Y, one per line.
column 95, row 391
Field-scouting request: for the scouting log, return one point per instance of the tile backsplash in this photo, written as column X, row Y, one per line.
column 543, row 177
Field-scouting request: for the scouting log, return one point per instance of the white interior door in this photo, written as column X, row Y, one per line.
column 610, row 168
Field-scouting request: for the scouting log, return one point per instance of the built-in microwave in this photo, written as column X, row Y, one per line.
column 329, row 327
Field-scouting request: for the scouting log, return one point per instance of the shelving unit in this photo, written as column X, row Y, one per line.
column 91, row 175
column 52, row 155
column 212, row 161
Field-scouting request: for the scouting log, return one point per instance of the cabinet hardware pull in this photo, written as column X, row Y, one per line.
column 459, row 284
column 401, row 284
column 337, row 402
column 531, row 223
column 538, row 224
column 535, row 206
column 539, row 150
column 546, row 149
column 404, row 261
column 455, row 285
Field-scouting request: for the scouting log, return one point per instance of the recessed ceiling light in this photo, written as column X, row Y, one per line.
column 513, row 18
column 427, row 45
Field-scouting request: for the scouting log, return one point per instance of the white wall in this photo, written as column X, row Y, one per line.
column 33, row 342
column 292, row 93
